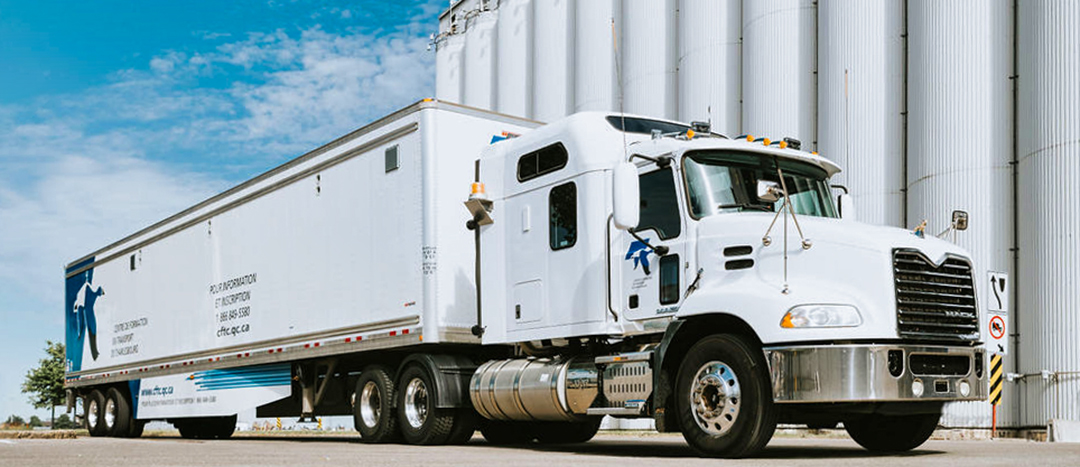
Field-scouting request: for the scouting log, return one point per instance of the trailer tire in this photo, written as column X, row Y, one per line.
column 137, row 427
column 373, row 412
column 891, row 433
column 420, row 421
column 567, row 433
column 94, row 406
column 724, row 397
column 504, row 433
column 116, row 414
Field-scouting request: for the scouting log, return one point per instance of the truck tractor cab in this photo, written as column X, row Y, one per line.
column 716, row 278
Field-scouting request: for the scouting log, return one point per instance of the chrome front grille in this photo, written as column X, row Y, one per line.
column 934, row 303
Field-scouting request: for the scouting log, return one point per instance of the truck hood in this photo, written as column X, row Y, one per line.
column 848, row 263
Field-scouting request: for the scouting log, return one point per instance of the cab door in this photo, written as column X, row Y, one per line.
column 652, row 286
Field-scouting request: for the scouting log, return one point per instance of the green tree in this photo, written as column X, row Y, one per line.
column 46, row 382
column 35, row 421
column 15, row 421
column 64, row 422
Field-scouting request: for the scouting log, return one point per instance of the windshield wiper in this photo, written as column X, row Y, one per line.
column 759, row 207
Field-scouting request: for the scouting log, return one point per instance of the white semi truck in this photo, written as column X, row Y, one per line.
column 603, row 265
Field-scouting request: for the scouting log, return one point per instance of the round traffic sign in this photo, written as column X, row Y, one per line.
column 997, row 327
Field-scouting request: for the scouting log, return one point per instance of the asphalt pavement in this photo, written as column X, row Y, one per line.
column 605, row 449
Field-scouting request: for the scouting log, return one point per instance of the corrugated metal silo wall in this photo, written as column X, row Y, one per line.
column 595, row 85
column 480, row 42
column 779, row 89
column 649, row 60
column 1049, row 228
column 553, row 59
column 514, row 58
column 861, row 102
column 960, row 140
column 710, row 63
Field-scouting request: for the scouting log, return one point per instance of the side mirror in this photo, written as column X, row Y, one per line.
column 770, row 192
column 846, row 204
column 960, row 220
column 626, row 196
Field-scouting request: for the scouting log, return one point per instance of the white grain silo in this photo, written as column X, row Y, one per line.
column 648, row 43
column 1048, row 152
column 480, row 45
column 778, row 65
column 553, row 59
column 514, row 58
column 709, row 63
column 861, row 102
column 960, row 140
column 450, row 69
column 595, row 85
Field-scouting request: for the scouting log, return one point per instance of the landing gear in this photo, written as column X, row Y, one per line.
column 724, row 398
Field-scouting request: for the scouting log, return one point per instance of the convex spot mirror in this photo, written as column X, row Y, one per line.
column 626, row 195
column 768, row 191
column 960, row 220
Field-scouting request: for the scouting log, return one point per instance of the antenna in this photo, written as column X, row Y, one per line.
column 618, row 78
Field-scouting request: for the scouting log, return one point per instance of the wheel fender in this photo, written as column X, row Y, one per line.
column 452, row 374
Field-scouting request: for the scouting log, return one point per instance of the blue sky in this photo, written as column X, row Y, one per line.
column 116, row 114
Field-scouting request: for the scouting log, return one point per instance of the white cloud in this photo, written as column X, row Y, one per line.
column 80, row 171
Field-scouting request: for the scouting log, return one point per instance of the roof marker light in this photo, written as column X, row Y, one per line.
column 689, row 134
column 783, row 145
column 766, row 141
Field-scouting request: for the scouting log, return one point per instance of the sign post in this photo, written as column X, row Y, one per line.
column 997, row 342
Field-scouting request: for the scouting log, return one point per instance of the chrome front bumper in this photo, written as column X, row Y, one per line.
column 861, row 373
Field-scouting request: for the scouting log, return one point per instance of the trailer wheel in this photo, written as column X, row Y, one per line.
column 420, row 421
column 503, row 433
column 117, row 414
column 891, row 433
column 567, row 433
column 95, row 404
column 372, row 413
column 724, row 398
column 137, row 427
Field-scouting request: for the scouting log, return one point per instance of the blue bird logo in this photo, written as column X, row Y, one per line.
column 639, row 252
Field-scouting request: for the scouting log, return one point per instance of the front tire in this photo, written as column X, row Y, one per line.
column 891, row 433
column 372, row 413
column 724, row 398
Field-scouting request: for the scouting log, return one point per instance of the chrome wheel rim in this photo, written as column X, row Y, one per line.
column 92, row 414
column 715, row 398
column 110, row 413
column 416, row 398
column 370, row 404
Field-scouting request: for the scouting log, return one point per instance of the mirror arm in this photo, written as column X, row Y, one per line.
column 660, row 250
column 841, row 187
column 663, row 161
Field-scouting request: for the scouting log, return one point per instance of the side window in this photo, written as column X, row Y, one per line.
column 669, row 279
column 659, row 204
column 541, row 162
column 562, row 216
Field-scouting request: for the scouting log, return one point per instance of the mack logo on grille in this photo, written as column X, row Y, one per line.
column 934, row 303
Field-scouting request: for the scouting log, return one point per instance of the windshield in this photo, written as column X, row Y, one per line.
column 726, row 181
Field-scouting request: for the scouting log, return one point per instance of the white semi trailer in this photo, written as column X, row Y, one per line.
column 603, row 265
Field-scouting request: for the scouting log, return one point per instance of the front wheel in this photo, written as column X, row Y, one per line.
column 723, row 397
column 891, row 433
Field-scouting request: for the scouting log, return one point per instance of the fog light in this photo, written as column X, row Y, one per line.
column 965, row 388
column 917, row 388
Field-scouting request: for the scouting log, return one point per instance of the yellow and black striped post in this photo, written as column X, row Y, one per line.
column 996, row 372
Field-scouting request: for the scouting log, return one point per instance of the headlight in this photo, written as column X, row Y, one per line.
column 821, row 316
